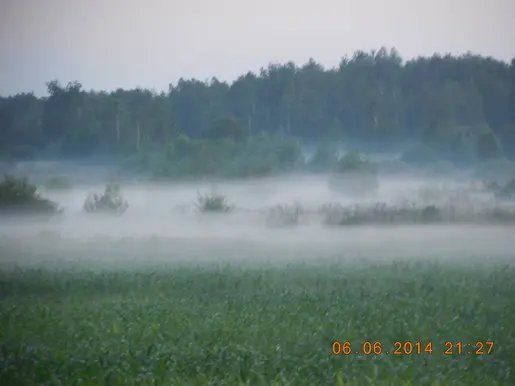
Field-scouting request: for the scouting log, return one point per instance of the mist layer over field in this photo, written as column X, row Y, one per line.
column 162, row 224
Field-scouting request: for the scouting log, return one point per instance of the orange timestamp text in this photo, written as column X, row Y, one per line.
column 377, row 348
column 410, row 348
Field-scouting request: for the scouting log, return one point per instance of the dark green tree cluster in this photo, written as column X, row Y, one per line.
column 450, row 103
column 259, row 155
column 18, row 195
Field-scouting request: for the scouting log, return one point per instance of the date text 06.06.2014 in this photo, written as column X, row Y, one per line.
column 412, row 347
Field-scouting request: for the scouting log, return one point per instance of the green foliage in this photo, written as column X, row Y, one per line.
column 382, row 214
column 81, row 143
column 488, row 147
column 212, row 202
column 140, row 162
column 353, row 161
column 254, row 166
column 507, row 140
column 372, row 98
column 462, row 149
column 57, row 183
column 354, row 175
column 111, row 201
column 215, row 324
column 325, row 158
column 228, row 128
column 283, row 216
column 18, row 195
column 506, row 191
column 420, row 155
column 259, row 155
column 288, row 154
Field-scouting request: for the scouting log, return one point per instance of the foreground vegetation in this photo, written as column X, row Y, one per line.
column 255, row 325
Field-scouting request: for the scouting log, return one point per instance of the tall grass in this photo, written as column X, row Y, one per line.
column 255, row 325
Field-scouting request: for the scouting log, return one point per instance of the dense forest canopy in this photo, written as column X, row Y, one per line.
column 372, row 98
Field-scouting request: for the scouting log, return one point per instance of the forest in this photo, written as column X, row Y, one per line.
column 461, row 108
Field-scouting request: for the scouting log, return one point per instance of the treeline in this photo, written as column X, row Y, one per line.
column 373, row 98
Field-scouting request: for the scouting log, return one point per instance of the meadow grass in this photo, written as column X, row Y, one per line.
column 261, row 324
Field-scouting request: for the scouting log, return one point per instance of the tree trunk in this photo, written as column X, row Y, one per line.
column 288, row 121
column 118, row 128
column 138, row 136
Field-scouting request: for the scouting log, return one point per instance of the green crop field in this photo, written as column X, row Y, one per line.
column 258, row 324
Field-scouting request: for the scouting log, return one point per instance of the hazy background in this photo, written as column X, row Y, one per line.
column 129, row 43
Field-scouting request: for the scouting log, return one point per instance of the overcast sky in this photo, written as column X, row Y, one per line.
column 106, row 44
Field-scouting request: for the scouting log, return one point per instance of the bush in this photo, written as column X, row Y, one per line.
column 283, row 216
column 380, row 213
column 212, row 202
column 110, row 202
column 424, row 213
column 17, row 195
column 420, row 155
column 259, row 155
column 255, row 166
column 506, row 191
column 324, row 159
column 355, row 176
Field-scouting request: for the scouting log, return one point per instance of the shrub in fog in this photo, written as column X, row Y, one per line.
column 380, row 214
column 283, row 215
column 354, row 175
column 212, row 202
column 410, row 213
column 18, row 195
column 111, row 201
column 503, row 191
column 324, row 159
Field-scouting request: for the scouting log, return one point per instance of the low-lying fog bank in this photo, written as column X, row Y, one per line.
column 161, row 225
column 267, row 245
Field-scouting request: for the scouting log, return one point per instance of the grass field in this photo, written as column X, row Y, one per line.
column 257, row 324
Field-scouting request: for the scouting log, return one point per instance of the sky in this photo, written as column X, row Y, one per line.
column 107, row 44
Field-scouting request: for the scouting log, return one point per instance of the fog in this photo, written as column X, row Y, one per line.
column 162, row 225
